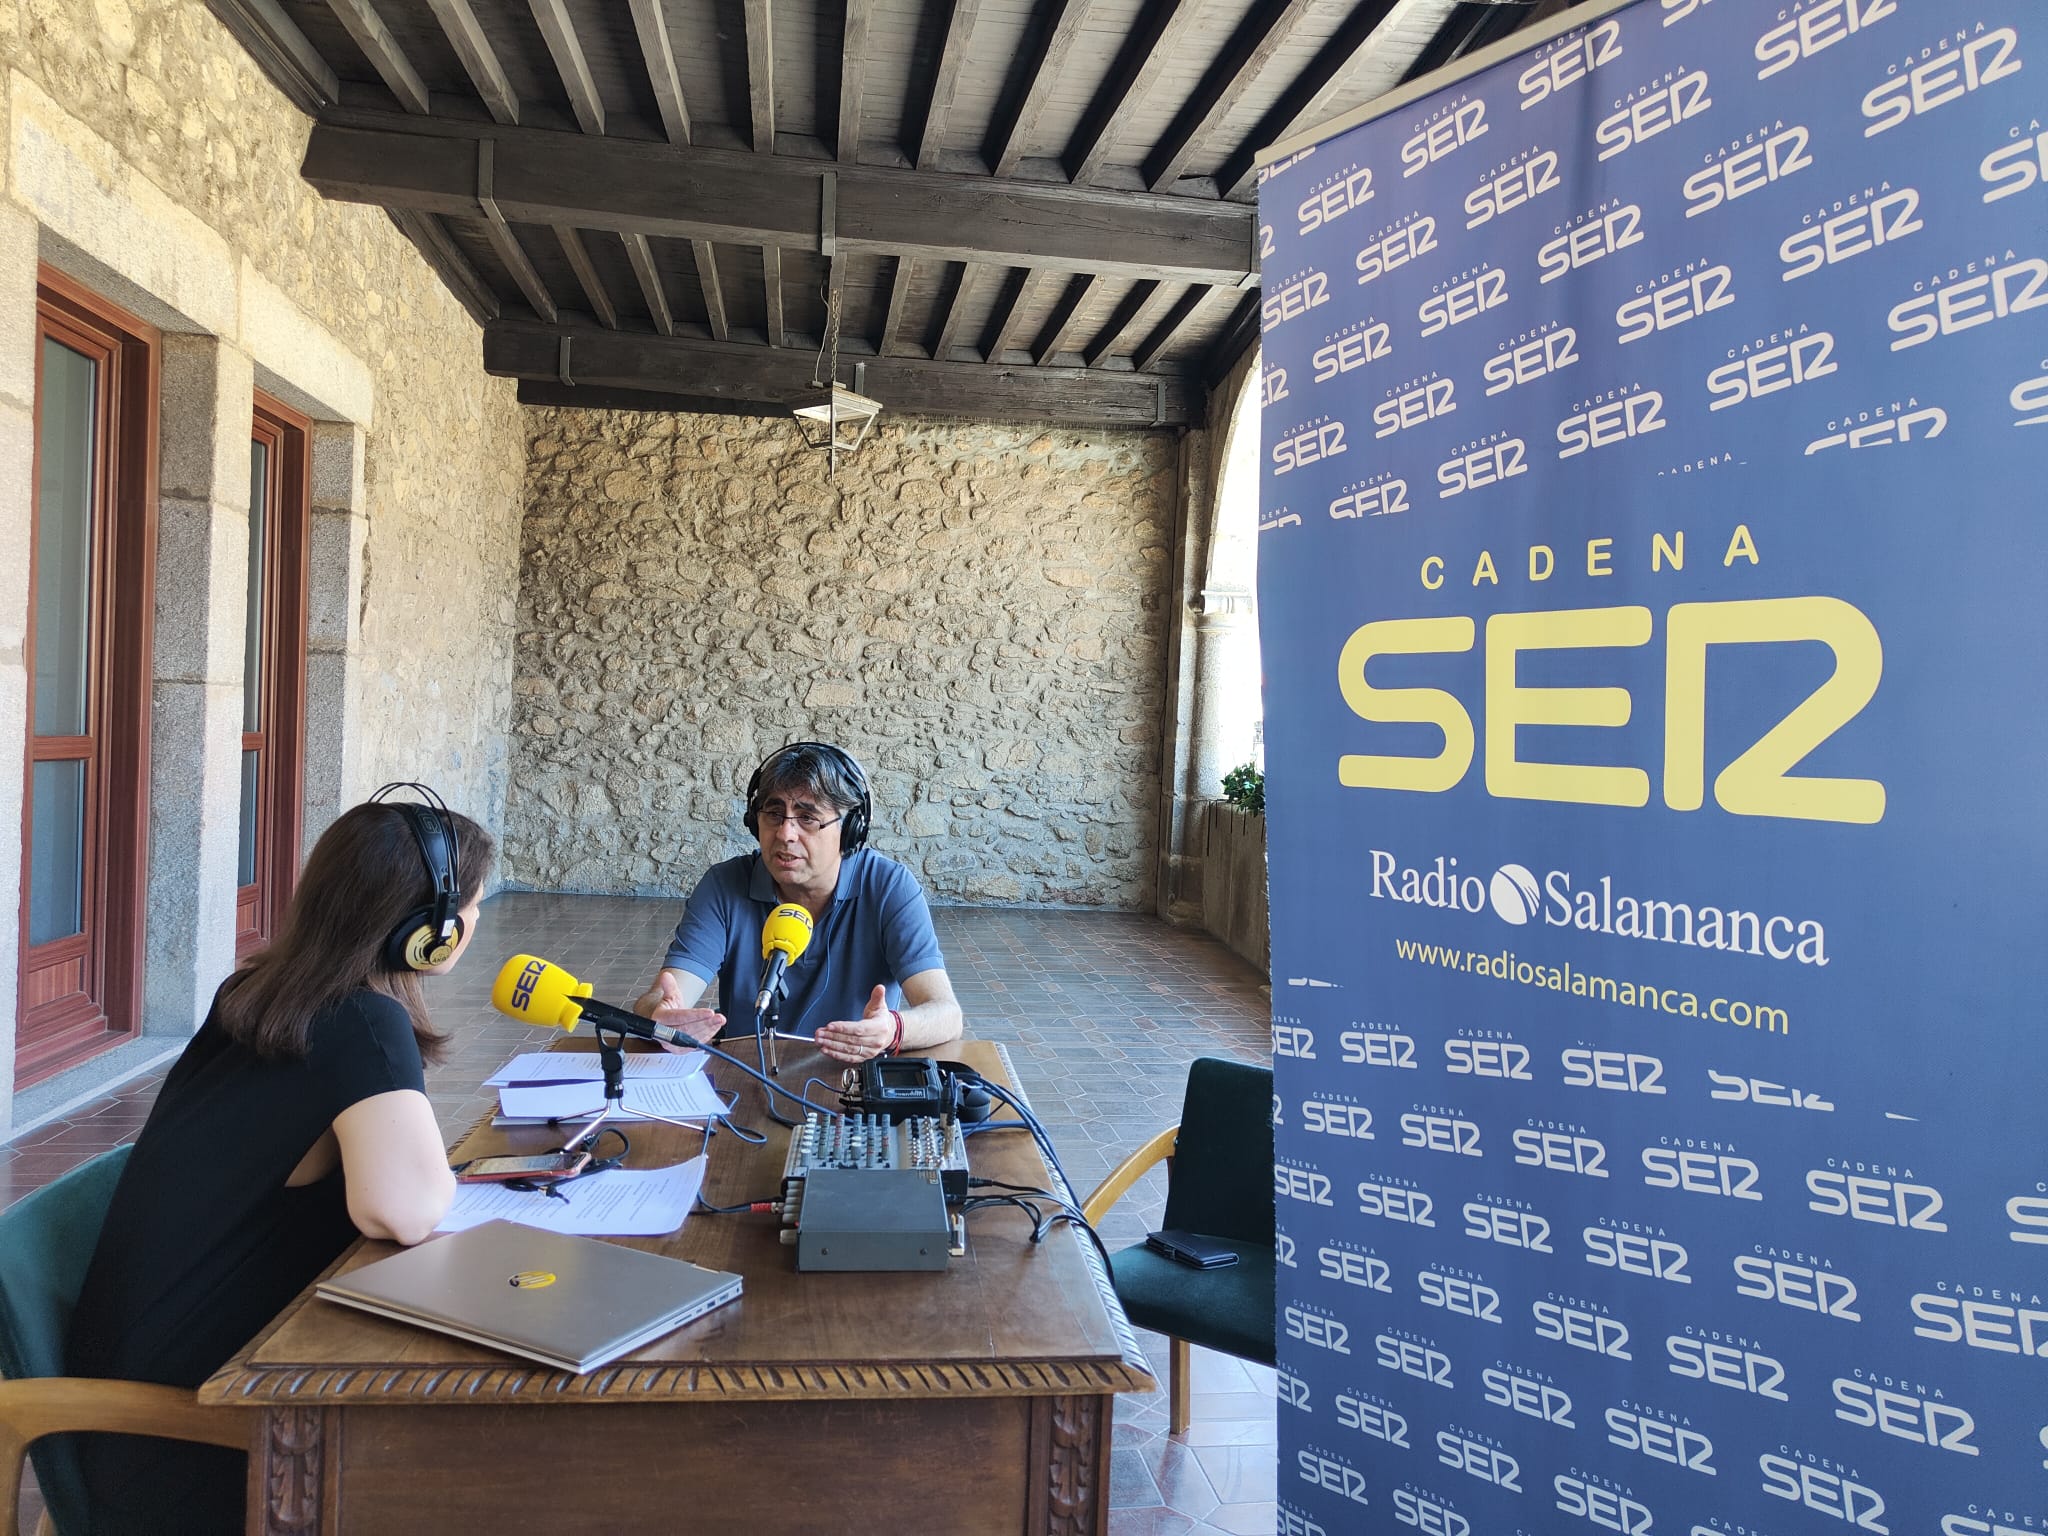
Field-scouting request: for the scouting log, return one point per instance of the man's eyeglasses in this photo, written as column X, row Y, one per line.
column 807, row 820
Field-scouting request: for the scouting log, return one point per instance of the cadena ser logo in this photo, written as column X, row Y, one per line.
column 1560, row 899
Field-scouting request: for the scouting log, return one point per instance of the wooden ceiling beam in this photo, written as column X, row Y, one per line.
column 1006, row 146
column 771, row 291
column 1169, row 330
column 649, row 277
column 281, row 51
column 952, row 56
column 1297, row 103
column 651, row 26
column 1138, row 312
column 1149, row 51
column 1013, row 316
column 1238, row 338
column 709, row 286
column 586, row 274
column 956, row 313
column 898, row 309
column 694, row 193
column 431, row 237
column 1080, row 294
column 383, row 52
column 761, row 74
column 1248, row 52
column 498, row 230
column 737, row 372
column 479, row 59
column 514, row 256
column 558, row 31
column 853, row 72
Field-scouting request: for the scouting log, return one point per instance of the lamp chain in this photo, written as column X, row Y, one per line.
column 826, row 373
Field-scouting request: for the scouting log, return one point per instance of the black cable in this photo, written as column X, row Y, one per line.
column 1068, row 1210
column 763, row 1078
column 736, row 1210
column 987, row 1202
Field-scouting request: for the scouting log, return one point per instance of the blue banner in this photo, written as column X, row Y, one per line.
column 1655, row 494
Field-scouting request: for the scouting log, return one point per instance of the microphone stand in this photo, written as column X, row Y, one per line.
column 769, row 1057
column 611, row 1056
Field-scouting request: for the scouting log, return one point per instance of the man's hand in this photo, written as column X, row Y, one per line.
column 670, row 1009
column 856, row 1041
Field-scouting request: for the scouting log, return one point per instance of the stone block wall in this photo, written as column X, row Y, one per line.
column 977, row 612
column 163, row 169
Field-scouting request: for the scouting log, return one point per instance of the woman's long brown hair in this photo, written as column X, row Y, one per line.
column 363, row 878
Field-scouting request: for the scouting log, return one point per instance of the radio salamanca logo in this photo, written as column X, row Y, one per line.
column 1518, row 896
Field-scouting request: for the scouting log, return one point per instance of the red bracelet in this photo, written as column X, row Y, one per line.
column 896, row 1044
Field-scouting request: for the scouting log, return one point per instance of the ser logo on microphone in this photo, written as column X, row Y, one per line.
column 529, row 978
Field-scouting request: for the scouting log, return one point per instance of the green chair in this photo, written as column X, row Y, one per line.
column 46, row 1242
column 1219, row 1182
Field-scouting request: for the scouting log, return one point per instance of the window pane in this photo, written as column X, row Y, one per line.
column 252, row 626
column 245, row 859
column 56, row 877
column 64, row 511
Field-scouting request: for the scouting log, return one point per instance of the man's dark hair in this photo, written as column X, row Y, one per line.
column 810, row 766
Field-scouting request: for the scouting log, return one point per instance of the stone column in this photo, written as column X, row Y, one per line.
column 195, row 750
column 17, row 492
column 334, row 609
column 1224, row 671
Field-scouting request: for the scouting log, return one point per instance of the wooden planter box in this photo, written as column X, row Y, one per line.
column 1234, row 880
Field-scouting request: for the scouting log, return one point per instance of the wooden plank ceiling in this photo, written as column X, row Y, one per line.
column 1027, row 210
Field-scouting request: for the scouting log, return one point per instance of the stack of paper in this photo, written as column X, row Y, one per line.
column 534, row 1069
column 620, row 1202
column 543, row 1086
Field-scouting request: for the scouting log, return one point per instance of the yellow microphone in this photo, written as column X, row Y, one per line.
column 784, row 938
column 539, row 992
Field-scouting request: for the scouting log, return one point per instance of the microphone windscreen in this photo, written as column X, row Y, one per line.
column 788, row 929
column 536, row 991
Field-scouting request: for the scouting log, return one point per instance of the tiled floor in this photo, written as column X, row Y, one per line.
column 1101, row 1012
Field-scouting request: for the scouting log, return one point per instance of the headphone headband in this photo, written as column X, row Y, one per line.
column 427, row 936
column 854, row 831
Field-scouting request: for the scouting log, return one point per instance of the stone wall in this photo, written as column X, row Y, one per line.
column 162, row 165
column 977, row 612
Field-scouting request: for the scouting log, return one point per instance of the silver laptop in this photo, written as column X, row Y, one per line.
column 570, row 1302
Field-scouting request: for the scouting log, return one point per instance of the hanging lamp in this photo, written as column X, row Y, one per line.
column 832, row 417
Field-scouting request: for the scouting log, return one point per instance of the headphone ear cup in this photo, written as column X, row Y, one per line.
column 416, row 944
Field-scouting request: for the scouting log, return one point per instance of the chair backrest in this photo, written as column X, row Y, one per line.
column 1222, row 1181
column 46, row 1242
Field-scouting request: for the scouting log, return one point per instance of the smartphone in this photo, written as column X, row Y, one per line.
column 1191, row 1249
column 545, row 1165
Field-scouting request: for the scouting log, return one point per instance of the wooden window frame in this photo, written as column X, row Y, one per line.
column 55, row 1036
column 281, row 774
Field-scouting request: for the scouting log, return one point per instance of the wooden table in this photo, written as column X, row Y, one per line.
column 974, row 1400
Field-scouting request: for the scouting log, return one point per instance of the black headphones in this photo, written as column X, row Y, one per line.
column 427, row 936
column 853, row 832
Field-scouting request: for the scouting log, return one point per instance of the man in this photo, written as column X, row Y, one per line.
column 872, row 980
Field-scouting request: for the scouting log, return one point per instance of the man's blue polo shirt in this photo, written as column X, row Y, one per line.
column 878, row 928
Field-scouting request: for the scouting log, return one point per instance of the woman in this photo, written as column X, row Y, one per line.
column 296, row 1119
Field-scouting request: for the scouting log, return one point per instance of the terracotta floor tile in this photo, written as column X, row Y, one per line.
column 1240, row 1474
column 1256, row 1519
column 1148, row 1522
column 1233, row 1432
column 1130, row 1480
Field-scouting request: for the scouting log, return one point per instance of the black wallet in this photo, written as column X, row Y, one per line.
column 1192, row 1249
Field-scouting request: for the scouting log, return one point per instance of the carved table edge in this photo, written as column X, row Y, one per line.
column 506, row 1383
